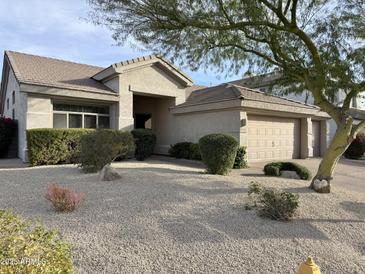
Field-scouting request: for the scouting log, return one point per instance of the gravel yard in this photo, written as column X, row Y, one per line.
column 167, row 216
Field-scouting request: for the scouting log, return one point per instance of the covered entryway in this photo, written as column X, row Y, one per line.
column 273, row 138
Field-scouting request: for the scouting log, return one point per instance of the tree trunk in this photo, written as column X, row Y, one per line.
column 342, row 139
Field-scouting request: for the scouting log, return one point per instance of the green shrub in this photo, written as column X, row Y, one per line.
column 357, row 148
column 194, row 153
column 272, row 203
column 102, row 147
column 7, row 133
column 30, row 248
column 275, row 168
column 185, row 150
column 145, row 141
column 240, row 160
column 50, row 146
column 218, row 152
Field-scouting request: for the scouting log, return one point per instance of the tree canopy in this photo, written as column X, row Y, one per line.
column 315, row 45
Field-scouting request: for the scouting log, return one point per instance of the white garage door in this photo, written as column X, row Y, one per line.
column 273, row 138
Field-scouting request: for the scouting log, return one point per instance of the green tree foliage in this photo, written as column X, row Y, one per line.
column 317, row 45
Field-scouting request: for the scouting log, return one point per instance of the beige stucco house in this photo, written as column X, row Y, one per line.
column 150, row 92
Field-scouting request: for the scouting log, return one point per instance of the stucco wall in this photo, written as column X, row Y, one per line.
column 20, row 109
column 191, row 127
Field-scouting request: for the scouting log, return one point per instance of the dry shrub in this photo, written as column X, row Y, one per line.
column 63, row 199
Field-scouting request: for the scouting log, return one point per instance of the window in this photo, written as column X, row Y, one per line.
column 13, row 114
column 78, row 116
column 59, row 120
column 13, row 97
column 103, row 122
column 90, row 121
column 7, row 104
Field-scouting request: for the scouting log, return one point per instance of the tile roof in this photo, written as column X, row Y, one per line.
column 231, row 92
column 51, row 72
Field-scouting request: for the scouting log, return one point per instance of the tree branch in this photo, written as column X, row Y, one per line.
column 357, row 128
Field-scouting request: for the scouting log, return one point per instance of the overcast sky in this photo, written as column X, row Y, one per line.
column 57, row 28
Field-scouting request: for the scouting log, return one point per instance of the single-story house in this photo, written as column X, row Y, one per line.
column 150, row 92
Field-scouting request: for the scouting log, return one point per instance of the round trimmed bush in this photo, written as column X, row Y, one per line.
column 145, row 141
column 218, row 152
column 27, row 247
column 357, row 148
column 275, row 168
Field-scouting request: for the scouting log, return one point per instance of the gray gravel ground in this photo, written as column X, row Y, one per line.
column 167, row 216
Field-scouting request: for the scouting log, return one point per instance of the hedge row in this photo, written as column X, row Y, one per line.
column 54, row 146
column 62, row 146
column 185, row 150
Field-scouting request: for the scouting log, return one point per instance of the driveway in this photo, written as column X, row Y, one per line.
column 349, row 174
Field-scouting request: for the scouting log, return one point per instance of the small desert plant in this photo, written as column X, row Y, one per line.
column 218, row 152
column 27, row 247
column 357, row 148
column 272, row 203
column 63, row 199
column 240, row 160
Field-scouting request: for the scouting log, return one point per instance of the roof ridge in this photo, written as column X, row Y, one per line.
column 277, row 96
column 51, row 58
column 151, row 57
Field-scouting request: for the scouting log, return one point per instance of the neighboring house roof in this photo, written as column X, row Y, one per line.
column 257, row 81
column 51, row 72
column 230, row 91
column 189, row 90
column 140, row 61
column 357, row 113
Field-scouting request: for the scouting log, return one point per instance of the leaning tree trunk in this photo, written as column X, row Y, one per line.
column 321, row 182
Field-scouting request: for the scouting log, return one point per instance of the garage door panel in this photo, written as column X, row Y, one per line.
column 271, row 138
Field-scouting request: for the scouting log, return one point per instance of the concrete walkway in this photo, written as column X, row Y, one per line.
column 12, row 163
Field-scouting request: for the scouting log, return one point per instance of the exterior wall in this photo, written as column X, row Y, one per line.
column 38, row 115
column 19, row 108
column 191, row 127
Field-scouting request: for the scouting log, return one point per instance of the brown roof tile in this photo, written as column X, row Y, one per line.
column 231, row 92
column 44, row 71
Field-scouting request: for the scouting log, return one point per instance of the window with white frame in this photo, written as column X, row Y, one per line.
column 78, row 116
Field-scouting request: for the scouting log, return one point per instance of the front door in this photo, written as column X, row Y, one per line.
column 143, row 120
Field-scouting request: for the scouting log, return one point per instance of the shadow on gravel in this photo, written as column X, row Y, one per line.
column 358, row 208
column 235, row 223
column 253, row 175
column 168, row 171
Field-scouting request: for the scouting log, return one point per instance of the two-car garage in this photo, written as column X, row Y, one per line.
column 271, row 127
